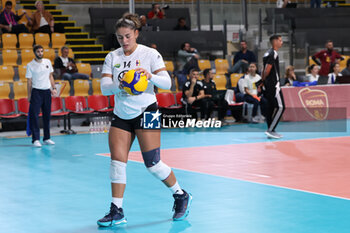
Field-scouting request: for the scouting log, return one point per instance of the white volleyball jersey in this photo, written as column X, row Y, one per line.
column 116, row 63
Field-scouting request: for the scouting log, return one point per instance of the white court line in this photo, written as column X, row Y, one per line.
column 254, row 182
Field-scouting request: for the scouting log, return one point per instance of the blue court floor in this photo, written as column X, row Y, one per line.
column 66, row 188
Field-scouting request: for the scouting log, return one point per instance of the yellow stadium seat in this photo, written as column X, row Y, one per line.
column 9, row 57
column 70, row 53
column 163, row 91
column 343, row 62
column 65, row 92
column 169, row 65
column 27, row 56
column 81, row 87
column 96, row 86
column 311, row 62
column 84, row 68
column 7, row 73
column 43, row 39
column 204, row 64
column 235, row 78
column 26, row 40
column 58, row 40
column 22, row 69
column 50, row 54
column 220, row 81
column 221, row 66
column 20, row 90
column 4, row 90
column 9, row 41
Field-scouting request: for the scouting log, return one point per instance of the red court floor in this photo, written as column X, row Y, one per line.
column 314, row 165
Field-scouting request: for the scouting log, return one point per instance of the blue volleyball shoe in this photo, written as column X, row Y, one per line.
column 114, row 217
column 182, row 205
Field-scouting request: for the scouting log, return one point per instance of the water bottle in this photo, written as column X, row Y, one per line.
column 77, row 108
column 81, row 106
column 105, row 125
column 91, row 127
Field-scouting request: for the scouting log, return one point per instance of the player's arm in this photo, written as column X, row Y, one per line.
column 246, row 89
column 53, row 87
column 159, row 78
column 29, row 88
column 189, row 93
column 107, row 85
column 316, row 57
column 338, row 58
column 201, row 95
column 266, row 71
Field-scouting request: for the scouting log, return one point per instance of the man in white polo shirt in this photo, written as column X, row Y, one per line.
column 41, row 86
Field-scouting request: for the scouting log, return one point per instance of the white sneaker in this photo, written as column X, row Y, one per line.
column 36, row 143
column 49, row 142
column 256, row 119
column 273, row 135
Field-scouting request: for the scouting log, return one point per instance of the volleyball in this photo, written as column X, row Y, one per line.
column 134, row 83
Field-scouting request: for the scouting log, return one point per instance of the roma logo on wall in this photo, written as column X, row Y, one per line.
column 315, row 103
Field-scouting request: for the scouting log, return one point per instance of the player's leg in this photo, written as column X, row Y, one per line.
column 120, row 141
column 279, row 112
column 277, row 104
column 250, row 99
column 34, row 110
column 149, row 141
column 46, row 110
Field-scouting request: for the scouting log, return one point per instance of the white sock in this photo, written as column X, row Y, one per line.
column 117, row 201
column 176, row 189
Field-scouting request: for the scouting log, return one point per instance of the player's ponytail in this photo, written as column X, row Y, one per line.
column 129, row 21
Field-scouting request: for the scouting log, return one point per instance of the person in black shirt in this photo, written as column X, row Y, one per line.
column 9, row 21
column 181, row 25
column 193, row 93
column 213, row 98
column 242, row 59
column 271, row 87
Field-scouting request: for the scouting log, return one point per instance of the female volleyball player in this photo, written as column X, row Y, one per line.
column 128, row 115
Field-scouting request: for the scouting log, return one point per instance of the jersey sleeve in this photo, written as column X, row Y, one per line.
column 186, row 86
column 245, row 83
column 50, row 67
column 156, row 61
column 270, row 58
column 107, row 65
column 29, row 72
column 200, row 85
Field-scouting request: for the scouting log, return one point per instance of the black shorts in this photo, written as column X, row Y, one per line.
column 132, row 124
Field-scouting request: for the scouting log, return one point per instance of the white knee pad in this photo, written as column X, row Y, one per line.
column 160, row 170
column 118, row 172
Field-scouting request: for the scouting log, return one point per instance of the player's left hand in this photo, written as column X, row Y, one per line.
column 145, row 72
column 54, row 92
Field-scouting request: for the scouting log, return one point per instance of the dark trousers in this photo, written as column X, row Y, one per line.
column 222, row 107
column 16, row 29
column 40, row 99
column 191, row 109
column 207, row 106
column 250, row 99
column 272, row 108
column 58, row 27
column 315, row 3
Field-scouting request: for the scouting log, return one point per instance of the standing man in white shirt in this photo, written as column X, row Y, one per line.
column 41, row 86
